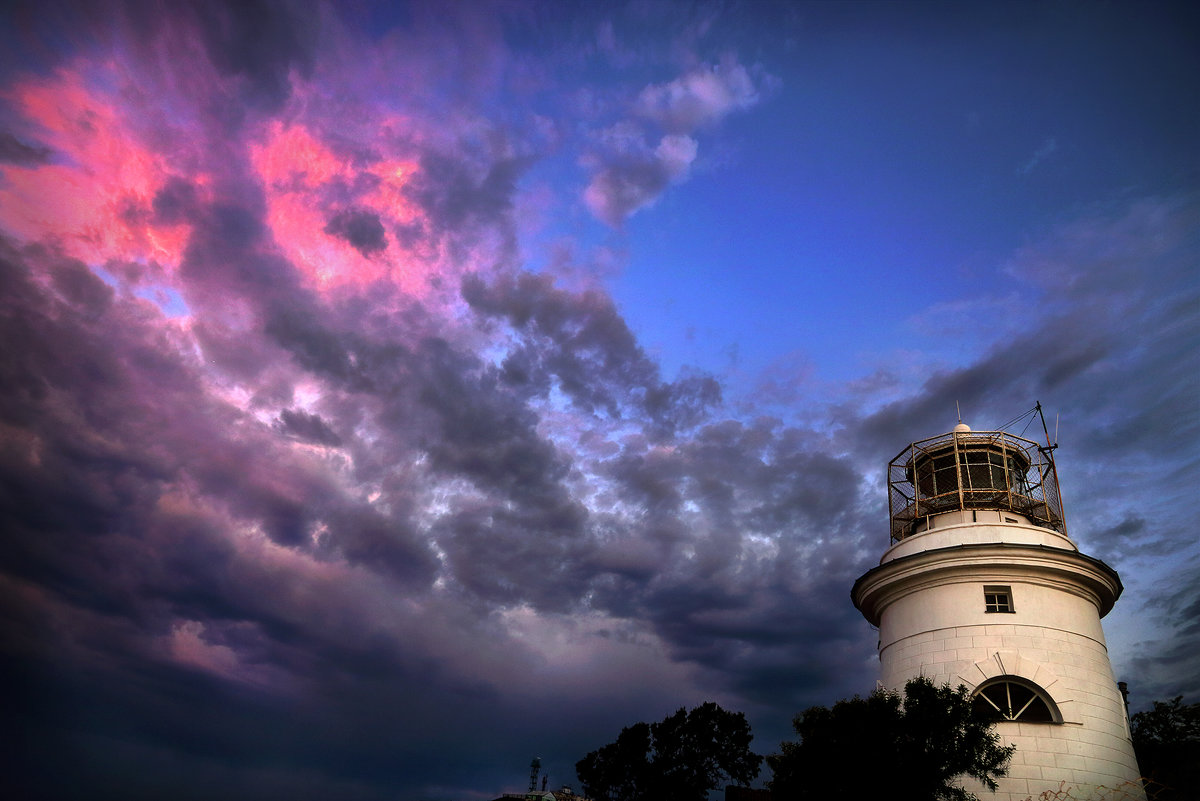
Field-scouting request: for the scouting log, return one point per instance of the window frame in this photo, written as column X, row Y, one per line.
column 1003, row 603
column 1037, row 694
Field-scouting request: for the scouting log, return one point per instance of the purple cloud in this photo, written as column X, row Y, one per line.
column 622, row 187
column 629, row 174
column 14, row 151
column 701, row 97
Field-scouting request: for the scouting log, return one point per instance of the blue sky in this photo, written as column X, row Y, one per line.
column 408, row 389
column 910, row 149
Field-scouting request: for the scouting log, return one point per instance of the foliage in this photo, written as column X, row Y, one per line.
column 907, row 748
column 1166, row 739
column 679, row 758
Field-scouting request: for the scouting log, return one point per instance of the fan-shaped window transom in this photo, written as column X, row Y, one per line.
column 1007, row 698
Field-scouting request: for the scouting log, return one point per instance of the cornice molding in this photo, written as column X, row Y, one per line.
column 1066, row 571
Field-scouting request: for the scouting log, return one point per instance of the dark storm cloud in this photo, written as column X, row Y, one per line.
column 132, row 723
column 254, row 45
column 530, row 556
column 308, row 427
column 314, row 345
column 80, row 478
column 111, row 554
column 1004, row 382
column 580, row 340
column 228, row 258
column 458, row 412
column 161, row 436
column 484, row 431
column 455, row 193
column 728, row 546
column 176, row 202
column 80, row 287
column 520, row 540
column 713, row 548
column 1117, row 389
column 259, row 42
column 359, row 227
column 14, row 151
column 227, row 249
column 465, row 197
column 1164, row 669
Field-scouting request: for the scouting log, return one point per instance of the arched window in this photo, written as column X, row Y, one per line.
column 1013, row 698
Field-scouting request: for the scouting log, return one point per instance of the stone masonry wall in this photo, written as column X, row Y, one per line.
column 1089, row 748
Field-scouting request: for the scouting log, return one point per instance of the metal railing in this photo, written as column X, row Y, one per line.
column 972, row 470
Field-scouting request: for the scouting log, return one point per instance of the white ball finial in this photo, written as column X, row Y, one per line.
column 961, row 427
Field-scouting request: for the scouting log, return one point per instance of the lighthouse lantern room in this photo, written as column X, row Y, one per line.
column 969, row 470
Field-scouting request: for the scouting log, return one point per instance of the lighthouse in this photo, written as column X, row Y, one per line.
column 981, row 586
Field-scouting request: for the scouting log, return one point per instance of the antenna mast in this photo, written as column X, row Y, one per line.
column 534, row 768
column 1048, row 452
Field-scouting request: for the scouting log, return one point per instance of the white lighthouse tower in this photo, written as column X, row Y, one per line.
column 982, row 587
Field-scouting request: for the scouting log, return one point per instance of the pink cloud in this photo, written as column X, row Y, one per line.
column 304, row 181
column 94, row 196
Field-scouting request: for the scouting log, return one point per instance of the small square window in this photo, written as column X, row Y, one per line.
column 997, row 599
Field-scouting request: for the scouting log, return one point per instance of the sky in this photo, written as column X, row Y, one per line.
column 392, row 393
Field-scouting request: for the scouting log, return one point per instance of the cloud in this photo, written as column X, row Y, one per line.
column 701, row 97
column 627, row 173
column 309, row 427
column 260, row 43
column 619, row 189
column 580, row 341
column 138, row 462
column 14, row 151
column 360, row 228
column 263, row 555
column 1045, row 151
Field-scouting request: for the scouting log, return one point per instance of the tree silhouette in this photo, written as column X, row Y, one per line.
column 903, row 748
column 679, row 758
column 1166, row 739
